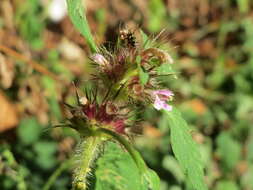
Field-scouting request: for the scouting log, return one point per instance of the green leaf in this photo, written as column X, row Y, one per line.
column 29, row 131
column 243, row 5
column 45, row 148
column 55, row 107
column 228, row 149
column 170, row 163
column 174, row 187
column 249, row 146
column 116, row 170
column 145, row 39
column 45, row 151
column 148, row 177
column 142, row 74
column 49, row 86
column 165, row 69
column 226, row 185
column 77, row 16
column 152, row 179
column 157, row 15
column 46, row 162
column 29, row 22
column 186, row 150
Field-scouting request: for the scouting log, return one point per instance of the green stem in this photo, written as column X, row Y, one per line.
column 86, row 154
column 65, row 165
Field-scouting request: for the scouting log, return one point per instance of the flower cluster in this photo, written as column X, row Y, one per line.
column 126, row 79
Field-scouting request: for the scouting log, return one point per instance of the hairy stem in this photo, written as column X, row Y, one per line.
column 85, row 156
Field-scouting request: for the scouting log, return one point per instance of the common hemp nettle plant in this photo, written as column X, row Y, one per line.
column 124, row 82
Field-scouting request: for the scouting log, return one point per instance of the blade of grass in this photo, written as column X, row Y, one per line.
column 77, row 15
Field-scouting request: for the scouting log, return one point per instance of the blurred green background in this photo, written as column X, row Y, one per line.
column 211, row 43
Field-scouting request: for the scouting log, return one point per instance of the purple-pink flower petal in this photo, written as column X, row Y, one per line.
column 161, row 98
column 160, row 104
column 164, row 92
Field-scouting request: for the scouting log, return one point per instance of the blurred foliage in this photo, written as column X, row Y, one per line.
column 211, row 43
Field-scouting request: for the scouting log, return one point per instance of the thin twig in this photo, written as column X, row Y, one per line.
column 36, row 66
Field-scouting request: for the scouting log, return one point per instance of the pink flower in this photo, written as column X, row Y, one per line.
column 161, row 98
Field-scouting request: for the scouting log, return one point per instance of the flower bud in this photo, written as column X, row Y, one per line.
column 163, row 56
column 111, row 109
column 99, row 59
column 119, row 126
column 83, row 100
column 138, row 89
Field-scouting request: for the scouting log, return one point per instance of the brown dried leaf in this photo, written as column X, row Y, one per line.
column 71, row 51
column 8, row 114
column 7, row 13
column 151, row 131
column 197, row 106
column 33, row 100
column 6, row 72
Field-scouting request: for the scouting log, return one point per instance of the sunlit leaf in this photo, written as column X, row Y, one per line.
column 116, row 170
column 186, row 150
